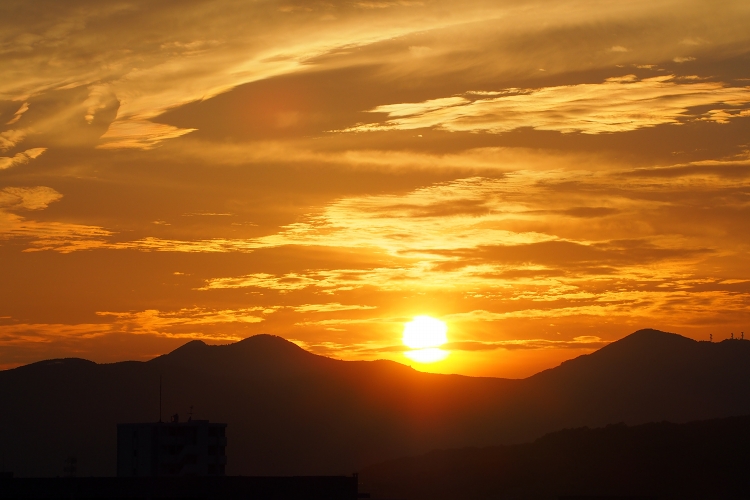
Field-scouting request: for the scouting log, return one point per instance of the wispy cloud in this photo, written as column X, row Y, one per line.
column 17, row 115
column 157, row 69
column 583, row 342
column 25, row 333
column 193, row 322
column 20, row 158
column 330, row 307
column 10, row 138
column 371, row 349
column 617, row 105
column 139, row 134
column 187, row 322
column 33, row 198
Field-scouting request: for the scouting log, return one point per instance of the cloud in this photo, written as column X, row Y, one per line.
column 687, row 301
column 342, row 233
column 619, row 104
column 693, row 41
column 33, row 333
column 330, row 280
column 20, row 158
column 10, row 138
column 330, row 307
column 17, row 115
column 582, row 342
column 195, row 322
column 34, row 198
column 682, row 59
column 384, row 4
column 124, row 51
column 58, row 235
column 572, row 255
column 468, row 222
column 139, row 134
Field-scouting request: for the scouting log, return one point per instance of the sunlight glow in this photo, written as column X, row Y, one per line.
column 424, row 332
column 430, row 355
column 424, row 335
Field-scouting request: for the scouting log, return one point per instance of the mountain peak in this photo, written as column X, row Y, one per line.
column 650, row 335
column 260, row 354
column 267, row 340
column 647, row 342
column 191, row 346
column 643, row 348
column 265, row 345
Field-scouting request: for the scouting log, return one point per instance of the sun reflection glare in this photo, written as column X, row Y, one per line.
column 430, row 355
column 424, row 335
column 424, row 332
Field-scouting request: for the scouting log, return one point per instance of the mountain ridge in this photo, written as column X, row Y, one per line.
column 695, row 460
column 293, row 412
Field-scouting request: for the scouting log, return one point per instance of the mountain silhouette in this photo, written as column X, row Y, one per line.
column 292, row 412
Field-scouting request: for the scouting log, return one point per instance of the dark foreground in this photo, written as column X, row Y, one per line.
column 237, row 487
column 699, row 460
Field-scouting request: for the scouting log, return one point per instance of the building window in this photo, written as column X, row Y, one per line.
column 212, row 450
column 212, row 469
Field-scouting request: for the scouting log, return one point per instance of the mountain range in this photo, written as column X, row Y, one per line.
column 293, row 412
column 706, row 460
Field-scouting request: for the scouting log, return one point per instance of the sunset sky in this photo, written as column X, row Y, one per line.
column 543, row 176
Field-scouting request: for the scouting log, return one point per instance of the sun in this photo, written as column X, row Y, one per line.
column 425, row 332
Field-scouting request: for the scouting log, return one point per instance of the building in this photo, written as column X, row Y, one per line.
column 192, row 448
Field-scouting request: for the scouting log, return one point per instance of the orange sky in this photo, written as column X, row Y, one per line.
column 544, row 176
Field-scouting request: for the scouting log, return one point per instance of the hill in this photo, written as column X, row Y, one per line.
column 293, row 412
column 697, row 460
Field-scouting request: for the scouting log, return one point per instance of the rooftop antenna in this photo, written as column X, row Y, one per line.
column 710, row 337
column 190, row 414
column 159, row 398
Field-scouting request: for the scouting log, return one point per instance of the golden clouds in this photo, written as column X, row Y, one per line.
column 542, row 175
column 139, row 134
column 34, row 198
column 618, row 105
column 21, row 158
column 43, row 235
column 124, row 53
column 331, row 307
column 10, row 138
column 528, row 245
column 188, row 322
